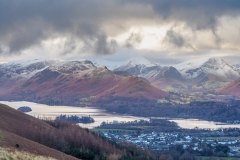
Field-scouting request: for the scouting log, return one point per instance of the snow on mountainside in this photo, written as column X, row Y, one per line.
column 110, row 64
column 217, row 66
column 160, row 77
column 140, row 66
column 114, row 64
column 24, row 69
column 71, row 66
column 143, row 67
column 139, row 61
column 13, row 74
column 75, row 80
column 237, row 66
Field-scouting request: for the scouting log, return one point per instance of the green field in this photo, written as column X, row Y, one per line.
column 110, row 129
column 220, row 138
column 215, row 158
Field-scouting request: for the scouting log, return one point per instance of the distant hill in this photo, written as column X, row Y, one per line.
column 17, row 72
column 133, row 87
column 68, row 82
column 216, row 66
column 203, row 73
column 157, row 75
column 232, row 88
column 81, row 83
column 191, row 69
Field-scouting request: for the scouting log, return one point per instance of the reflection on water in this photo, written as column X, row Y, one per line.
column 192, row 123
column 100, row 115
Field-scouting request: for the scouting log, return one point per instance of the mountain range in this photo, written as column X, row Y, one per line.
column 157, row 75
column 77, row 82
column 59, row 81
column 204, row 73
column 218, row 67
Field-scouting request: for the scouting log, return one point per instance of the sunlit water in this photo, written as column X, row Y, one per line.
column 193, row 123
column 100, row 115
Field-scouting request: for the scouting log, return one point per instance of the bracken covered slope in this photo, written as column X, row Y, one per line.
column 36, row 136
column 70, row 85
column 232, row 88
column 14, row 123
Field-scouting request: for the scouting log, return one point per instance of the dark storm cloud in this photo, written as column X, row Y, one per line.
column 134, row 38
column 104, row 47
column 199, row 14
column 69, row 46
column 174, row 38
column 196, row 14
column 26, row 23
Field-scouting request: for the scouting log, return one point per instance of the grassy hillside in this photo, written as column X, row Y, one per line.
column 19, row 128
column 17, row 122
column 232, row 88
column 10, row 140
column 57, row 139
column 9, row 153
column 13, row 128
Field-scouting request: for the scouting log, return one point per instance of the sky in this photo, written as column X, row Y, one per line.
column 166, row 31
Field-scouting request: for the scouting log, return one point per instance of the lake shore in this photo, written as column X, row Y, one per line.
column 101, row 115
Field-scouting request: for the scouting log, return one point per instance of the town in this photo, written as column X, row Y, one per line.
column 198, row 142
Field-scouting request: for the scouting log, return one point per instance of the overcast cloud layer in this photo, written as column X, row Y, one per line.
column 156, row 28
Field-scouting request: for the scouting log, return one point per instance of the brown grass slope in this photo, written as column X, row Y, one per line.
column 70, row 87
column 13, row 122
column 133, row 87
column 10, row 140
column 232, row 88
column 64, row 136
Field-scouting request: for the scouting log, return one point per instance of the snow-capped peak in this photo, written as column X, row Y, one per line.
column 216, row 66
column 141, row 61
column 194, row 63
column 71, row 66
column 26, row 68
column 140, row 66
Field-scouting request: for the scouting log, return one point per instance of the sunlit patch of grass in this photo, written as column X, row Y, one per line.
column 113, row 157
column 221, row 138
column 11, row 154
column 215, row 158
column 163, row 101
column 214, row 84
column 112, row 129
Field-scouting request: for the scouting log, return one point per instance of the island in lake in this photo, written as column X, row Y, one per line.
column 76, row 119
column 24, row 109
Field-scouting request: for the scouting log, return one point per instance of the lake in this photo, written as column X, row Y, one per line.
column 100, row 115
